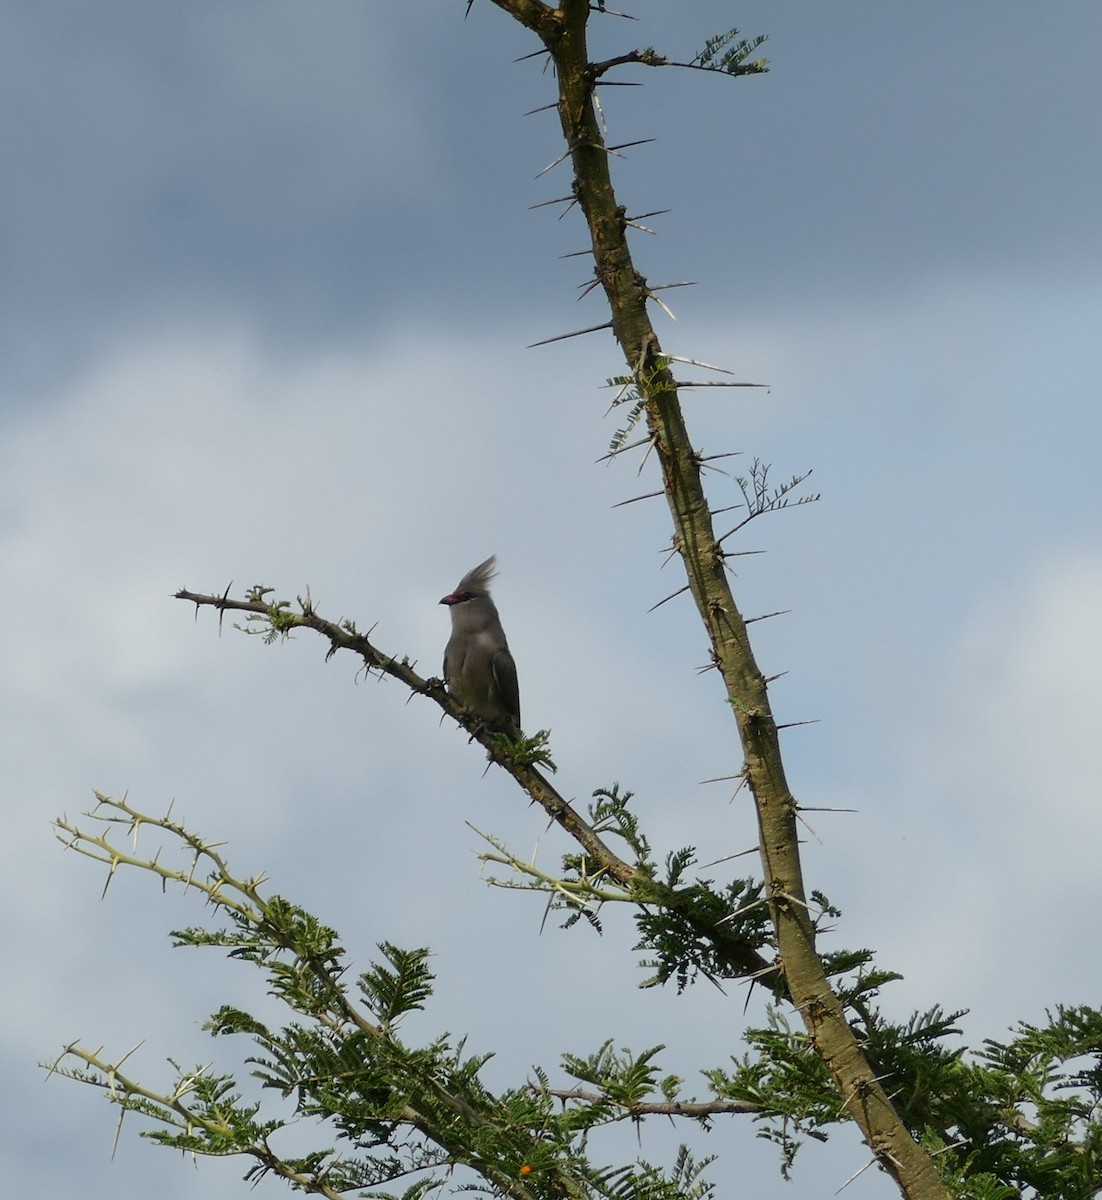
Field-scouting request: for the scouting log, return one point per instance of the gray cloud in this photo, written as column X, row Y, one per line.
column 259, row 298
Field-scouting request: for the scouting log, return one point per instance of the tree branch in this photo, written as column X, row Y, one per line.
column 692, row 1110
column 742, row 959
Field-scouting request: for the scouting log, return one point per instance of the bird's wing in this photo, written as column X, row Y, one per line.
column 505, row 676
column 452, row 660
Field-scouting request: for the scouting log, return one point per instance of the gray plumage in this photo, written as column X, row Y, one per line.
column 478, row 666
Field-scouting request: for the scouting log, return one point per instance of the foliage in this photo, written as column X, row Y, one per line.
column 719, row 54
column 389, row 1111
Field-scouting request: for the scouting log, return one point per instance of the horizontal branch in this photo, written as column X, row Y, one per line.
column 741, row 958
column 676, row 1108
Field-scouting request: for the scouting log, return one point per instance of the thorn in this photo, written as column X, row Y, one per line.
column 781, row 612
column 795, row 900
column 653, row 443
column 623, row 449
column 542, row 108
column 793, row 724
column 624, row 387
column 221, row 610
column 659, row 287
column 693, row 362
column 725, row 778
column 563, row 336
column 669, row 597
column 745, row 909
column 664, row 307
column 576, row 253
column 551, row 166
column 534, row 54
column 952, row 1146
column 655, row 212
column 741, row 784
column 546, row 203
column 588, row 287
column 772, row 969
column 598, row 111
column 724, row 454
column 807, row 826
column 648, row 496
column 870, row 1163
column 628, row 145
column 823, row 808
column 774, row 678
column 702, row 383
column 728, row 858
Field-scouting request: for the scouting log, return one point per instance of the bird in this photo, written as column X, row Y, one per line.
column 478, row 666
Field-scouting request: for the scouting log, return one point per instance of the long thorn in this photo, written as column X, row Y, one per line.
column 745, row 909
column 781, row 612
column 870, row 1163
column 669, row 597
column 665, row 308
column 807, row 825
column 547, row 203
column 562, row 337
column 624, row 449
column 551, row 166
column 693, row 362
column 648, row 496
column 628, row 145
column 728, row 858
column 702, row 383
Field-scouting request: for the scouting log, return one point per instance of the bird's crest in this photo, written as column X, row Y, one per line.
column 477, row 580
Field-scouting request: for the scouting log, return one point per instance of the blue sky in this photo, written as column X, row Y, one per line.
column 270, row 272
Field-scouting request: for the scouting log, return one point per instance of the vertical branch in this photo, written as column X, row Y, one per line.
column 563, row 33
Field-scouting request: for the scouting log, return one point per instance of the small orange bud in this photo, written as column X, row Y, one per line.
column 526, row 1169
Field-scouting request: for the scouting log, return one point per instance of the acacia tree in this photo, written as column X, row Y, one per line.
column 1012, row 1119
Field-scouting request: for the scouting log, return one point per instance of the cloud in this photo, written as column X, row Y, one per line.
column 985, row 835
column 261, row 328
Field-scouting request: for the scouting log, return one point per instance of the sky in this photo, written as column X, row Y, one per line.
column 271, row 274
